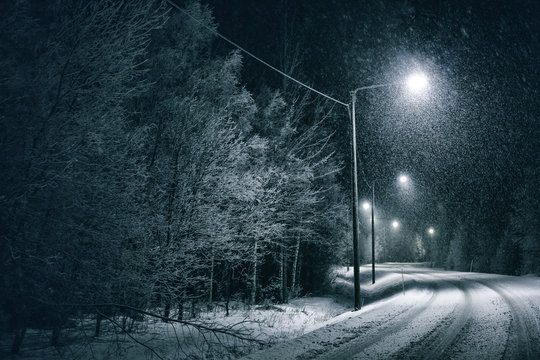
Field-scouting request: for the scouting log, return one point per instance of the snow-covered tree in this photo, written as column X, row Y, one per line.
column 70, row 171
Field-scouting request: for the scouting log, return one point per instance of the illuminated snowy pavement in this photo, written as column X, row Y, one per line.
column 446, row 315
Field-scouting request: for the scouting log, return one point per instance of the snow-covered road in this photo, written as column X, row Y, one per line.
column 442, row 315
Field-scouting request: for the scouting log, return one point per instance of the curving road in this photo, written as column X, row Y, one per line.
column 442, row 315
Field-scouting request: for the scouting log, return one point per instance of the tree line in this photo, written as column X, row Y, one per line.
column 139, row 173
column 472, row 246
column 464, row 241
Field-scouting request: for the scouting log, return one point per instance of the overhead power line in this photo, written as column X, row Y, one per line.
column 254, row 56
column 270, row 66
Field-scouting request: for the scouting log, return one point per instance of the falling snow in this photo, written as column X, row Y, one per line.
column 178, row 179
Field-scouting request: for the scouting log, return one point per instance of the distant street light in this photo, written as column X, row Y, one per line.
column 403, row 179
column 365, row 205
column 431, row 231
column 416, row 83
column 395, row 224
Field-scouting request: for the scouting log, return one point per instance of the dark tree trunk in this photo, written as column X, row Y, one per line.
column 295, row 264
column 172, row 195
column 193, row 310
column 283, row 276
column 180, row 310
column 167, row 311
column 131, row 325
column 228, row 289
column 17, row 342
column 55, row 335
column 211, row 280
column 99, row 318
column 254, row 275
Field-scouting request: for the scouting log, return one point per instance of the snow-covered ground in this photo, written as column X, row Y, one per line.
column 269, row 324
column 441, row 314
column 410, row 312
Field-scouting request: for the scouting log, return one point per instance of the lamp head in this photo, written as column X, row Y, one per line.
column 417, row 82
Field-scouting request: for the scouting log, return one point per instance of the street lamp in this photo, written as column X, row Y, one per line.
column 416, row 83
column 395, row 224
column 431, row 231
column 403, row 179
column 365, row 205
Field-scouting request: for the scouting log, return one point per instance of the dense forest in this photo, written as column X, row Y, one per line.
column 148, row 165
column 137, row 170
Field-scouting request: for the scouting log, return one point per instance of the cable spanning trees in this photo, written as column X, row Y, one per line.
column 233, row 183
column 139, row 173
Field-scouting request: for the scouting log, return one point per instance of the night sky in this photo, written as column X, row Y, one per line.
column 466, row 144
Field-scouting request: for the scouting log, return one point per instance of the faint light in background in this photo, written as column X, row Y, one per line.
column 403, row 179
column 365, row 205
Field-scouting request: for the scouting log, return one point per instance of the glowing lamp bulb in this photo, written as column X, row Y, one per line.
column 417, row 82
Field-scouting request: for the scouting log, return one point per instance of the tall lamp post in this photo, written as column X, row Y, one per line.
column 416, row 83
column 356, row 260
column 367, row 207
column 373, row 233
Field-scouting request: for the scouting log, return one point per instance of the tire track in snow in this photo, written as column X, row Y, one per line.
column 448, row 335
column 390, row 328
column 355, row 345
column 519, row 344
column 434, row 344
column 324, row 342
